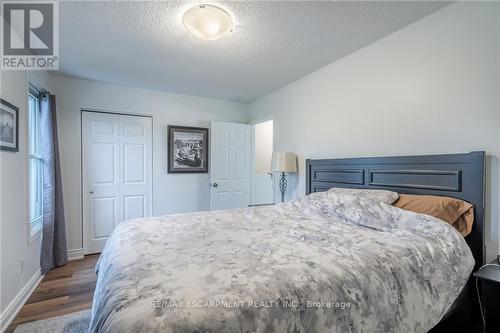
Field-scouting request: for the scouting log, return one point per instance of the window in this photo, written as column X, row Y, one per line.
column 35, row 165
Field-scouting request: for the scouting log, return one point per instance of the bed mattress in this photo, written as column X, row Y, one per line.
column 328, row 262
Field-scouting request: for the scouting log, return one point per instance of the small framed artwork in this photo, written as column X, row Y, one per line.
column 187, row 149
column 9, row 126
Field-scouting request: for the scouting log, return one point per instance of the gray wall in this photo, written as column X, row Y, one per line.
column 432, row 87
column 16, row 243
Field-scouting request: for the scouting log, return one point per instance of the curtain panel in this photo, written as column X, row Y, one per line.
column 54, row 249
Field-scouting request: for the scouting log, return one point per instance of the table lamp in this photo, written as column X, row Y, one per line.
column 283, row 162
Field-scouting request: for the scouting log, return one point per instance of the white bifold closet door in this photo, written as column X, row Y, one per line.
column 116, row 171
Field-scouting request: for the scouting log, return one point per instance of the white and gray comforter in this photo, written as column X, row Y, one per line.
column 330, row 262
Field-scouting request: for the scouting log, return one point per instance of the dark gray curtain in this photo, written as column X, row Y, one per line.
column 54, row 251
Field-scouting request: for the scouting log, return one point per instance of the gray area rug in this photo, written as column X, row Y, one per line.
column 76, row 322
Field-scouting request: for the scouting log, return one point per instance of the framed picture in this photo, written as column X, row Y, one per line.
column 9, row 126
column 187, row 149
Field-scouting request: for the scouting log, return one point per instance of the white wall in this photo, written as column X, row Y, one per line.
column 432, row 87
column 15, row 242
column 172, row 193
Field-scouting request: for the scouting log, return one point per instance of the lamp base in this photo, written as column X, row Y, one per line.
column 283, row 186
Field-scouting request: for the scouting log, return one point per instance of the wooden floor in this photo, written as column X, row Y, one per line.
column 63, row 290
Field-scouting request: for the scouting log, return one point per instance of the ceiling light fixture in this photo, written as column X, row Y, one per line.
column 207, row 22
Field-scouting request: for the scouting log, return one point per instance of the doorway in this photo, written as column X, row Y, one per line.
column 263, row 184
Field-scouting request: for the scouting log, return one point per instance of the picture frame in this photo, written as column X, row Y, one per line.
column 9, row 126
column 187, row 149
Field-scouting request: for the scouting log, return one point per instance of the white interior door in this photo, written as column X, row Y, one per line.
column 230, row 165
column 116, row 162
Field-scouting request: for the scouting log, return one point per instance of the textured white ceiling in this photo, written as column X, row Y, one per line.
column 144, row 44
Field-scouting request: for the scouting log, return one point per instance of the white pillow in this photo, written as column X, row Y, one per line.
column 384, row 196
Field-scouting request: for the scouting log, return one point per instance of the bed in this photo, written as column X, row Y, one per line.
column 329, row 262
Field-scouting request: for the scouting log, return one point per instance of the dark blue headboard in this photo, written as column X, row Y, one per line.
column 454, row 175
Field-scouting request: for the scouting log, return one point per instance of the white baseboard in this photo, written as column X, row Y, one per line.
column 75, row 254
column 17, row 303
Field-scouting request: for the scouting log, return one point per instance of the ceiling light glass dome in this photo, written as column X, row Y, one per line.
column 207, row 22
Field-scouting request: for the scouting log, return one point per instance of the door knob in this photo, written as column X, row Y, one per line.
column 215, row 185
column 91, row 192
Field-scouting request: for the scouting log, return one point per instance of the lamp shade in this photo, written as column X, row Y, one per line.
column 284, row 162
